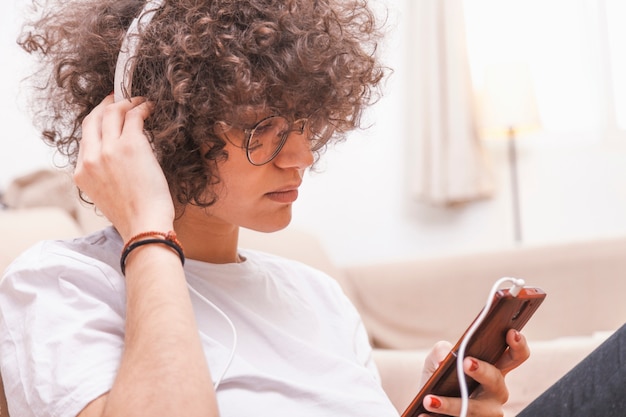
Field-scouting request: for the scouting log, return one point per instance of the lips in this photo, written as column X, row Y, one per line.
column 284, row 195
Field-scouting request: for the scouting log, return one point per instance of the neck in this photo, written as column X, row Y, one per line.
column 207, row 239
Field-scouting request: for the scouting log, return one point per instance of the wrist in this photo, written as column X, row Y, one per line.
column 127, row 232
column 167, row 239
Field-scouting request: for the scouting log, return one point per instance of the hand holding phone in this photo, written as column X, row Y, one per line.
column 488, row 343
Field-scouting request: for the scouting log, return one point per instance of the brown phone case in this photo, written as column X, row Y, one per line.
column 488, row 344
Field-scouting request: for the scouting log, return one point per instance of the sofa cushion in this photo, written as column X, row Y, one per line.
column 24, row 227
column 4, row 409
column 53, row 188
column 400, row 373
column 41, row 188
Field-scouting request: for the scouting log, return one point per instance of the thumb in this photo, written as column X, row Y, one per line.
column 437, row 354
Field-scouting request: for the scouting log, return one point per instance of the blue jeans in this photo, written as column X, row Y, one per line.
column 596, row 387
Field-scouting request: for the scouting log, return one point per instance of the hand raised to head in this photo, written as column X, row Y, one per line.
column 118, row 170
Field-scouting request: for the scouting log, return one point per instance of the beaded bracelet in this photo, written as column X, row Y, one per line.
column 169, row 239
column 171, row 236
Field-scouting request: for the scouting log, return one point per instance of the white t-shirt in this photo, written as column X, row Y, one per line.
column 302, row 349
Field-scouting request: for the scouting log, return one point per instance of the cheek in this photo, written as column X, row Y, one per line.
column 241, row 182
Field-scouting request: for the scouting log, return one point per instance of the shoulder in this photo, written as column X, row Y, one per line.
column 97, row 246
column 85, row 261
column 56, row 298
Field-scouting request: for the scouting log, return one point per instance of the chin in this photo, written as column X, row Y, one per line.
column 273, row 224
column 269, row 228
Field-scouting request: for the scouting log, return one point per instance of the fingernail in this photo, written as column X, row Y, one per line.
column 517, row 336
column 474, row 365
column 435, row 402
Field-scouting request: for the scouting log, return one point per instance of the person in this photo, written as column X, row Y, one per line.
column 231, row 101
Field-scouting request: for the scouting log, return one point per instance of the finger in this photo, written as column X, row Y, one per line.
column 437, row 404
column 92, row 129
column 135, row 119
column 452, row 406
column 438, row 353
column 115, row 116
column 516, row 354
column 90, row 142
column 489, row 377
column 124, row 137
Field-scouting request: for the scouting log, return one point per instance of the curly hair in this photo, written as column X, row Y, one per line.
column 204, row 62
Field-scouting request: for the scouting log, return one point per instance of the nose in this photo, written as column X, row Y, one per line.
column 296, row 152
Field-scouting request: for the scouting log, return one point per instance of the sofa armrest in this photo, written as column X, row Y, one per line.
column 412, row 304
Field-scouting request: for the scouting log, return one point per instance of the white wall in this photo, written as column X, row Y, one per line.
column 21, row 149
column 572, row 187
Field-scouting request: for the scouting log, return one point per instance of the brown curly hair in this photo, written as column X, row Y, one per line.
column 204, row 62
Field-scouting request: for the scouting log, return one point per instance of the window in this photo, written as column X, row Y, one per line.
column 576, row 50
column 616, row 16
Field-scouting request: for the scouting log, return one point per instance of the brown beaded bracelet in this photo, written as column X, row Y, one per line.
column 169, row 239
column 171, row 236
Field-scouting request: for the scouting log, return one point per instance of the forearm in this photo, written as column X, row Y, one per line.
column 163, row 371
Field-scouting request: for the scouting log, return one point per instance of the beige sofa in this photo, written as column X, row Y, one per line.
column 409, row 305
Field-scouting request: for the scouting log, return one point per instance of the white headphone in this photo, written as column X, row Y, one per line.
column 124, row 68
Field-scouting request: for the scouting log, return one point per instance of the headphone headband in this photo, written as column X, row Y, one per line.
column 124, row 68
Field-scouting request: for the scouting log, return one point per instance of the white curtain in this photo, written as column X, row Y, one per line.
column 446, row 163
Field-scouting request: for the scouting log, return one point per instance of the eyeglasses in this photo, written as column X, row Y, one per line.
column 264, row 141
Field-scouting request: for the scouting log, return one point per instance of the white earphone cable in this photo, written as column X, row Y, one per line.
column 122, row 85
column 518, row 284
column 217, row 382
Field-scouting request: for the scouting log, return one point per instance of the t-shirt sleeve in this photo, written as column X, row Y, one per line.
column 53, row 304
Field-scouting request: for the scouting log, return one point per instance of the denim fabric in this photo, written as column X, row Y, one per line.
column 596, row 387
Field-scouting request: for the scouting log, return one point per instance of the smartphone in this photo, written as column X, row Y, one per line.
column 488, row 343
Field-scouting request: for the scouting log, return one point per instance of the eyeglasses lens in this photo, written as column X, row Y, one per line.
column 266, row 139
